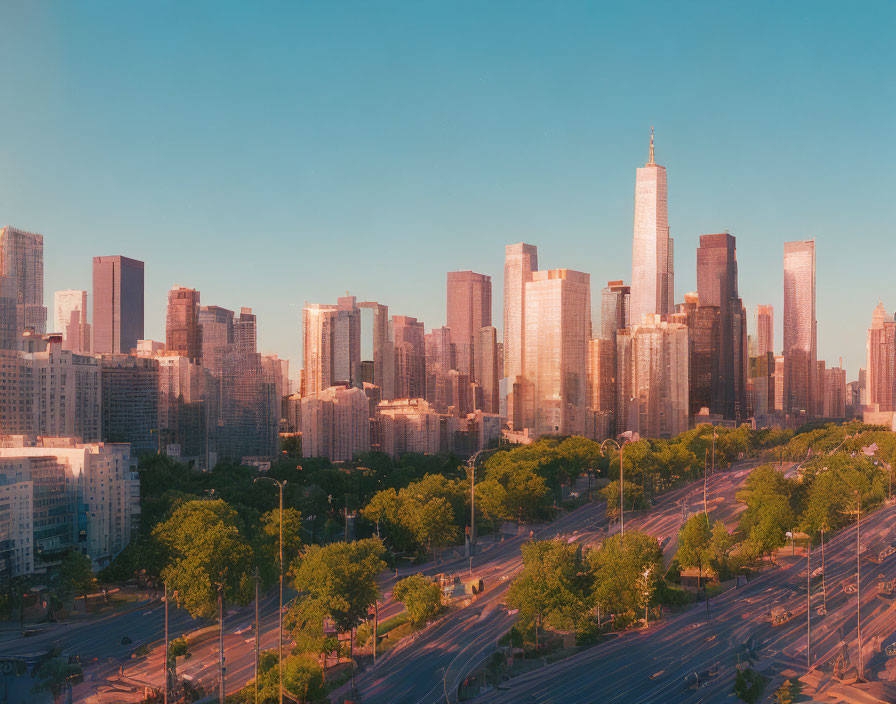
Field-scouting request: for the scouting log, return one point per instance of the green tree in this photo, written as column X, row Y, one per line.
column 303, row 680
column 694, row 541
column 306, row 623
column 512, row 491
column 267, row 542
column 616, row 572
column 431, row 522
column 76, row 574
column 206, row 548
column 421, row 597
column 552, row 588
column 177, row 648
column 719, row 551
column 634, row 496
column 341, row 578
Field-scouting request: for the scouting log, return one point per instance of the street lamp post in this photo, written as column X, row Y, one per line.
column 165, row 658
column 619, row 446
column 280, row 485
column 808, row 605
column 257, row 630
column 221, row 667
column 858, row 585
column 646, row 575
column 471, row 464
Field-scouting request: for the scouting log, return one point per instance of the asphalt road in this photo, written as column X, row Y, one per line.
column 425, row 670
column 664, row 663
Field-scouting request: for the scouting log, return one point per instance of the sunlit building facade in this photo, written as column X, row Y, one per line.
column 653, row 278
column 182, row 331
column 520, row 262
column 555, row 364
column 336, row 424
column 614, row 309
column 469, row 308
column 800, row 331
column 654, row 395
column 881, row 358
column 765, row 330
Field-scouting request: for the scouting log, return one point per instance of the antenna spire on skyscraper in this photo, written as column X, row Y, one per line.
column 650, row 157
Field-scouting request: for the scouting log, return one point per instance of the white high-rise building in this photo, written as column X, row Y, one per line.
column 653, row 279
column 102, row 491
column 555, row 360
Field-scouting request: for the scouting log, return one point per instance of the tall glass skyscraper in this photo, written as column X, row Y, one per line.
column 765, row 330
column 717, row 287
column 800, row 329
column 520, row 261
column 653, row 280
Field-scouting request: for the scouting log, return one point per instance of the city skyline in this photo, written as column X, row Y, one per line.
column 564, row 173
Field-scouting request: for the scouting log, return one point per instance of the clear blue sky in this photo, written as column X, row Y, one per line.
column 270, row 153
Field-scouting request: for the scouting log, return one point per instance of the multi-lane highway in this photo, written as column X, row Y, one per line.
column 664, row 663
column 424, row 670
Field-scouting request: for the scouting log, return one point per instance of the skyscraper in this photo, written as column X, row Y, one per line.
column 652, row 289
column 347, row 342
column 182, row 332
column 410, row 356
column 245, row 332
column 520, row 261
column 601, row 387
column 800, row 329
column 653, row 395
column 376, row 346
column 703, row 352
column 439, row 361
column 614, row 309
column 317, row 342
column 469, row 310
column 487, row 368
column 70, row 319
column 717, row 287
column 881, row 351
column 22, row 260
column 555, row 363
column 765, row 330
column 9, row 331
column 117, row 304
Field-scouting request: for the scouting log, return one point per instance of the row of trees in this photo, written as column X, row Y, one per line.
column 842, row 467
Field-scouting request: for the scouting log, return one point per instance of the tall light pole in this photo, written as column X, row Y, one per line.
column 619, row 446
column 257, row 630
column 221, row 667
column 858, row 584
column 165, row 583
column 808, row 605
column 471, row 465
column 280, row 485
